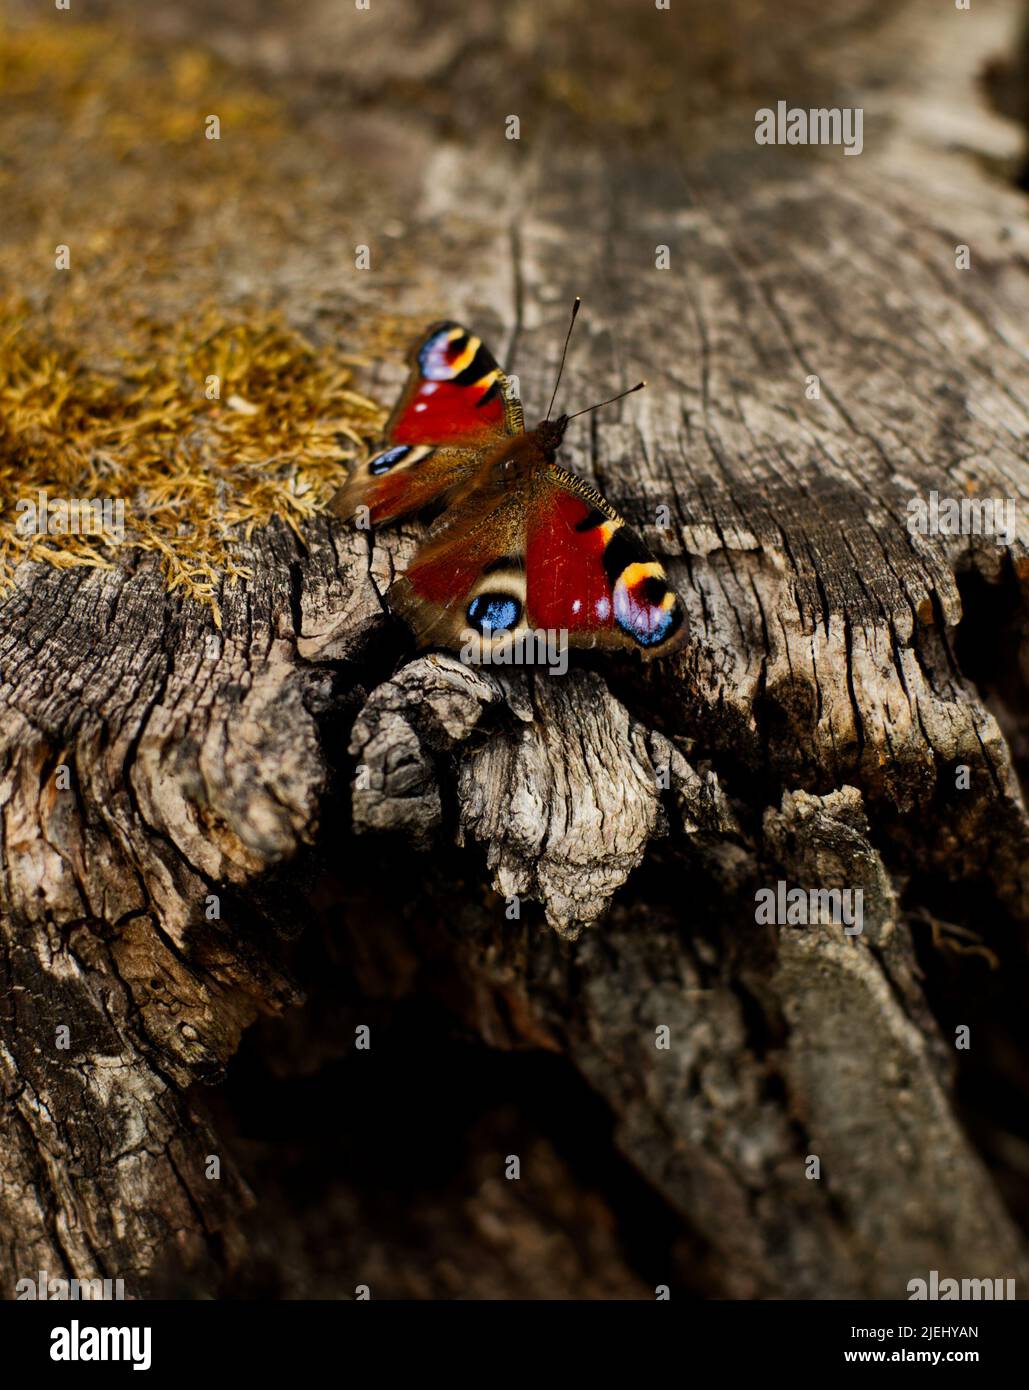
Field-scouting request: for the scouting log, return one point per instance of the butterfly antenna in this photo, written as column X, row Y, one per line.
column 638, row 387
column 564, row 354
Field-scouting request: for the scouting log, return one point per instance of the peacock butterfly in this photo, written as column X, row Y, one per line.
column 520, row 543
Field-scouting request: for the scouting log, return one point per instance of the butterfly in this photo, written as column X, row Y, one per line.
column 520, row 544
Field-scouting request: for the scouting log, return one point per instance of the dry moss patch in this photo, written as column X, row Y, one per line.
column 206, row 431
column 101, row 85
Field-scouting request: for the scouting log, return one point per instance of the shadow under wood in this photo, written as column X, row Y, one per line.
column 388, row 1167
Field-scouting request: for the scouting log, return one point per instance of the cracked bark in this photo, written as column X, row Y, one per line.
column 842, row 670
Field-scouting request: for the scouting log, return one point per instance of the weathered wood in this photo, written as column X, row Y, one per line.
column 841, row 670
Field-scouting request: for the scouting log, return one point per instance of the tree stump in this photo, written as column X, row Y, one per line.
column 283, row 826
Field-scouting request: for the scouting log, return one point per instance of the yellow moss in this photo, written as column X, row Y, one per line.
column 95, row 82
column 104, row 370
column 194, row 473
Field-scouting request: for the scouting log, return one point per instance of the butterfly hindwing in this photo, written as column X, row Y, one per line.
column 471, row 573
column 401, row 480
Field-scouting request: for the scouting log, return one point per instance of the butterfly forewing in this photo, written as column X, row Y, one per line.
column 590, row 574
column 456, row 406
column 455, row 394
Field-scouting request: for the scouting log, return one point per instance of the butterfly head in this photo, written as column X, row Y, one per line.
column 549, row 434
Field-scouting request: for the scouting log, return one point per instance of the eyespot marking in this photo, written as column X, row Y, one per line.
column 388, row 459
column 440, row 354
column 495, row 611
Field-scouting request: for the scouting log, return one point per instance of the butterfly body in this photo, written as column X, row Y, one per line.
column 521, row 542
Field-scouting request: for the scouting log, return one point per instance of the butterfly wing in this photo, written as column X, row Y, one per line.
column 470, row 575
column 590, row 573
column 528, row 546
column 457, row 405
column 549, row 554
column 456, row 393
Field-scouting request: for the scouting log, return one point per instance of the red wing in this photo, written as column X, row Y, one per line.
column 588, row 573
column 456, row 394
column 456, row 406
column 550, row 556
column 471, row 575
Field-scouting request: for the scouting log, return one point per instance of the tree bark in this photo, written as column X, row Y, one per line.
column 850, row 711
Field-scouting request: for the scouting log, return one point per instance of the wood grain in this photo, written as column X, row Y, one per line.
column 841, row 669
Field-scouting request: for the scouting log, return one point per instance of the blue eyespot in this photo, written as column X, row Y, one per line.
column 438, row 353
column 382, row 463
column 653, row 629
column 496, row 611
column 639, row 614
